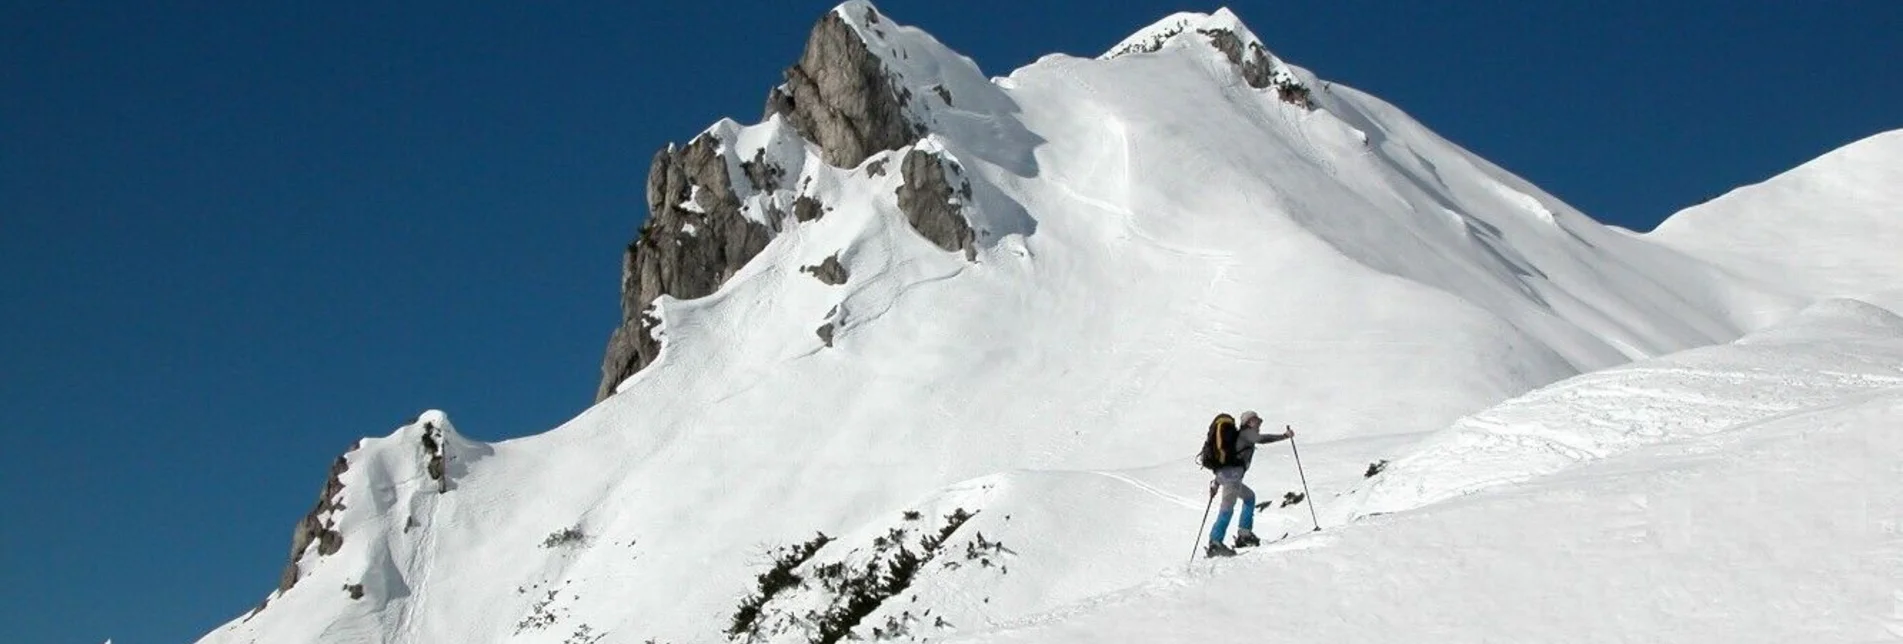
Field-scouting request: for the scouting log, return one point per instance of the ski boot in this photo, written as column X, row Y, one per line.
column 1247, row 540
column 1216, row 549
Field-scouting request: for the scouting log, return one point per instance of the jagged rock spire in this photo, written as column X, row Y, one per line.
column 840, row 96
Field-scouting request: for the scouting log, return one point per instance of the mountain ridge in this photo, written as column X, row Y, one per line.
column 833, row 353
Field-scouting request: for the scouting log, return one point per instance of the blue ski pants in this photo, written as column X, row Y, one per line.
column 1233, row 490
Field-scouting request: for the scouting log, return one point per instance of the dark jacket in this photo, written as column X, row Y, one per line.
column 1246, row 440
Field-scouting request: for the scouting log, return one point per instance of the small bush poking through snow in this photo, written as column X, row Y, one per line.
column 1153, row 43
column 584, row 634
column 565, row 537
column 542, row 614
column 828, row 602
column 957, row 518
column 860, row 593
column 1294, row 93
column 776, row 579
column 1375, row 468
column 981, row 550
column 1292, row 498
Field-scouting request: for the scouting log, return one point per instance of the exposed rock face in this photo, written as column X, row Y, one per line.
column 829, row 271
column 840, row 97
column 930, row 203
column 694, row 239
column 806, row 209
column 834, row 318
column 319, row 526
column 761, row 173
column 436, row 456
column 1257, row 68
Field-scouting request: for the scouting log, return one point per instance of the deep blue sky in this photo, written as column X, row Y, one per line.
column 237, row 238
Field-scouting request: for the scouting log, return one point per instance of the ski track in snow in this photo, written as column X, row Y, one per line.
column 1146, row 487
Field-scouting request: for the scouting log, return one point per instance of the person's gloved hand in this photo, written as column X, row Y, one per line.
column 1290, row 430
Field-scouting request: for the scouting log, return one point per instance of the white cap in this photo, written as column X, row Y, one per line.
column 1248, row 416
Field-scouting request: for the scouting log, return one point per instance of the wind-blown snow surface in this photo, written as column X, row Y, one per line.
column 1707, row 507
column 1157, row 241
column 1832, row 227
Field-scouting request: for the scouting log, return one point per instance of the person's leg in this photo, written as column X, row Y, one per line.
column 1221, row 525
column 1248, row 508
column 1229, row 479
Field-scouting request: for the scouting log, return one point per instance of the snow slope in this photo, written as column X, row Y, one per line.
column 1717, row 509
column 1833, row 350
column 1827, row 228
column 1157, row 240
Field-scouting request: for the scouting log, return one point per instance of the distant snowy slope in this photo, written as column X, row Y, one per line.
column 1830, row 227
column 970, row 329
column 1834, row 350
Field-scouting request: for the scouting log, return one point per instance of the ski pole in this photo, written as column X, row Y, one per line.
column 1199, row 524
column 1298, row 470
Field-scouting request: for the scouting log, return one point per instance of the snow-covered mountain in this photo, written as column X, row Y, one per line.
column 1828, row 227
column 925, row 354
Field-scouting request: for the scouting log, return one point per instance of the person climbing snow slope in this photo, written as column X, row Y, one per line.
column 1234, row 448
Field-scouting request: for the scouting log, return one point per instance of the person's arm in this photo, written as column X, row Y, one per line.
column 1288, row 433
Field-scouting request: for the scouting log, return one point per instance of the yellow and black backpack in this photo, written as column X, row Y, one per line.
column 1219, row 445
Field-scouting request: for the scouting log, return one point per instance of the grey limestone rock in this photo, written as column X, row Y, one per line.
column 694, row 239
column 930, row 203
column 841, row 97
column 1257, row 68
column 829, row 271
column 436, row 456
column 319, row 525
column 806, row 208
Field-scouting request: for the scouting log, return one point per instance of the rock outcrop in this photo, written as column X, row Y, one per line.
column 842, row 98
column 694, row 239
column 1257, row 68
column 829, row 271
column 839, row 96
column 366, row 484
column 436, row 455
column 319, row 525
column 932, row 205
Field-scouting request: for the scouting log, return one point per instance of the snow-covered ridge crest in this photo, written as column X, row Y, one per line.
column 373, row 513
column 919, row 64
column 1225, row 32
column 1170, row 29
column 1831, row 226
